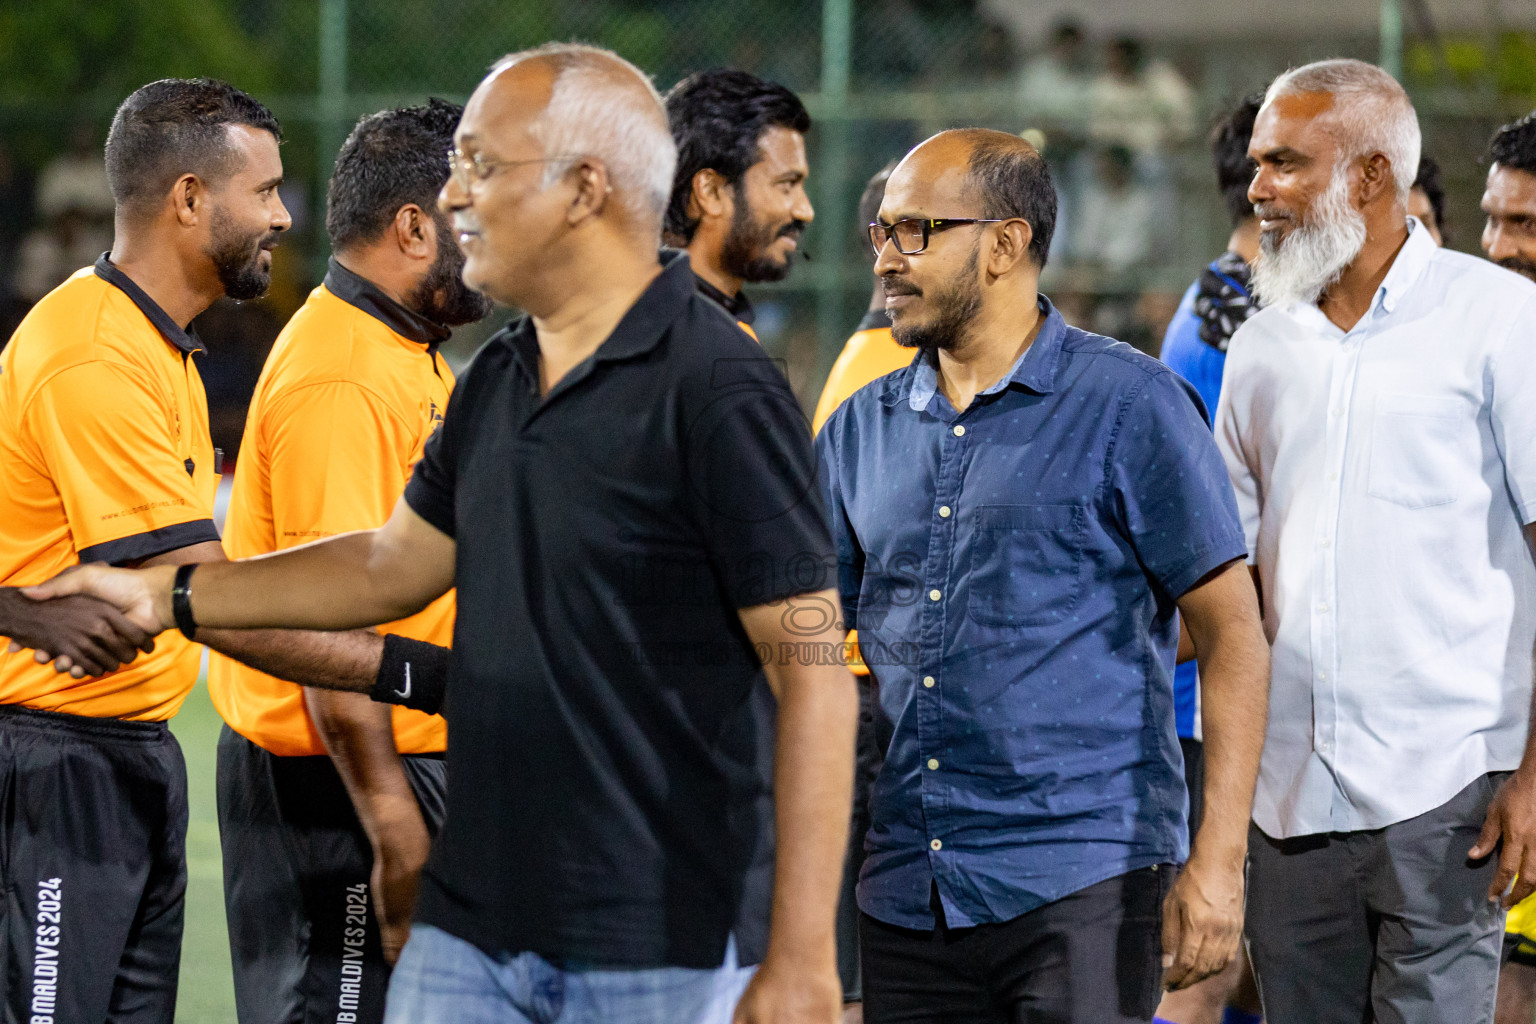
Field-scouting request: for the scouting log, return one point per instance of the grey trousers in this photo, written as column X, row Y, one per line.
column 1391, row 925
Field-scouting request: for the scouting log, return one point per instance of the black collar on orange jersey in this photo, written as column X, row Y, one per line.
column 186, row 340
column 738, row 305
column 370, row 298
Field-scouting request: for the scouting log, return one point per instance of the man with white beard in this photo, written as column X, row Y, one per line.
column 1378, row 420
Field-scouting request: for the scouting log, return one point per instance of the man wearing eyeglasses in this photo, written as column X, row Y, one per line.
column 1019, row 514
column 738, row 203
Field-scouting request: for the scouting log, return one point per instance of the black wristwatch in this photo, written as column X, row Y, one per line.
column 181, row 601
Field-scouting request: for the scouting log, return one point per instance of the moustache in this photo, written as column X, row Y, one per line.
column 271, row 240
column 894, row 287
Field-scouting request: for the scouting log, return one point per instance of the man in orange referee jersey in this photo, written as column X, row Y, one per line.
column 738, row 204
column 105, row 457
column 349, row 396
column 871, row 352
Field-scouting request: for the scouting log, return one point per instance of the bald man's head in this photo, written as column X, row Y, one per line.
column 596, row 104
column 993, row 174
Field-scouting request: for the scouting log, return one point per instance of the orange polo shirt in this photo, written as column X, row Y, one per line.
column 867, row 356
column 353, row 388
column 104, row 457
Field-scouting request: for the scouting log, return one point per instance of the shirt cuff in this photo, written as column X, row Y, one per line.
column 1193, row 571
column 151, row 543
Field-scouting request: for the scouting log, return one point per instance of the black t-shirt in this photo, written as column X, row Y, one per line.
column 608, row 797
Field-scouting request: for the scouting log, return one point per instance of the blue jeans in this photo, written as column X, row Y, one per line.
column 441, row 979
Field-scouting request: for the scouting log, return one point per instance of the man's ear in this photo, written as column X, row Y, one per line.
column 711, row 195
column 413, row 232
column 189, row 200
column 1375, row 178
column 1010, row 246
column 592, row 191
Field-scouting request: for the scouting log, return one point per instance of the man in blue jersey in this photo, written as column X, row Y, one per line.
column 1195, row 347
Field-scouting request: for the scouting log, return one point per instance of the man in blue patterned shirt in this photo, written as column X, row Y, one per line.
column 1019, row 515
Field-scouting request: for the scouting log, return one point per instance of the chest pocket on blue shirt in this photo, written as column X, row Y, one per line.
column 1027, row 564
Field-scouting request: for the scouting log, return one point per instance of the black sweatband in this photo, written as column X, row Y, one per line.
column 181, row 600
column 413, row 674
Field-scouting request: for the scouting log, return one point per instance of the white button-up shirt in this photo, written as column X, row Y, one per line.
column 1383, row 475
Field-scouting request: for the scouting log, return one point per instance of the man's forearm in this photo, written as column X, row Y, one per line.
column 332, row 661
column 813, row 789
column 1234, row 710
column 359, row 736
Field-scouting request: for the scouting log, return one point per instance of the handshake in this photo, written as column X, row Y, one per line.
column 85, row 621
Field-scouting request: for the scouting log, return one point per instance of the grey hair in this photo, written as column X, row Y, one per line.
column 595, row 111
column 1374, row 114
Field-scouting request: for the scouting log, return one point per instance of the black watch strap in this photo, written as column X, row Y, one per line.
column 181, row 601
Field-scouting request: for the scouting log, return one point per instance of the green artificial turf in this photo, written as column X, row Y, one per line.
column 207, row 995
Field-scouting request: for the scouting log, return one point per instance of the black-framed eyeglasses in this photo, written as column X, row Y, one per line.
column 911, row 235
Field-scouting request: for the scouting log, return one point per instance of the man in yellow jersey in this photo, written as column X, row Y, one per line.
column 871, row 352
column 349, row 396
column 738, row 202
column 105, row 457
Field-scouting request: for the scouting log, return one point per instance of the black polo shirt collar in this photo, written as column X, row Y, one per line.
column 185, row 340
column 639, row 331
column 358, row 291
column 738, row 305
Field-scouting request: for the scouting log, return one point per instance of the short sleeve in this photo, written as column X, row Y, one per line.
column 1514, row 410
column 430, row 491
column 337, row 458
column 753, row 482
column 1170, row 485
column 108, row 439
column 850, row 556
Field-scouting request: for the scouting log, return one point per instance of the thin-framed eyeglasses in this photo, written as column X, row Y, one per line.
column 911, row 235
column 467, row 168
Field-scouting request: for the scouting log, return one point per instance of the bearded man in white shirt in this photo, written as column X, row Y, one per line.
column 1378, row 419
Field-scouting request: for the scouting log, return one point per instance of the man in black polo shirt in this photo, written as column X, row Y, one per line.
column 738, row 201
column 623, row 493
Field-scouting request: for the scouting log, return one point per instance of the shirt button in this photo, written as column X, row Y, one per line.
column 1327, row 543
column 928, row 681
column 936, row 844
column 943, row 511
column 1322, row 677
column 1323, row 607
column 934, row 595
column 959, row 432
column 933, row 763
column 1333, row 478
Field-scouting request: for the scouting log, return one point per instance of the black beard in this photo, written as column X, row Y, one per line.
column 1520, row 265
column 743, row 255
column 954, row 308
column 237, row 259
column 442, row 296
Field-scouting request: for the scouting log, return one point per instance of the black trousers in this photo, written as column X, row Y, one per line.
column 1094, row 957
column 303, row 938
column 869, row 756
column 93, row 829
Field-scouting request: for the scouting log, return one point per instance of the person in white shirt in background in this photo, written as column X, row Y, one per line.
column 1378, row 419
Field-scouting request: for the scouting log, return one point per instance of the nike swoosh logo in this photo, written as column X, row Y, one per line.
column 405, row 693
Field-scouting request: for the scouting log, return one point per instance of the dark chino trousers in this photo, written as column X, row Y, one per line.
column 1390, row 925
column 1094, row 957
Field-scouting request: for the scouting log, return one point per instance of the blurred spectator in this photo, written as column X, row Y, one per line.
column 1138, row 104
column 69, row 240
column 1426, row 200
column 1115, row 219
column 73, row 216
column 1054, row 85
column 76, row 180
